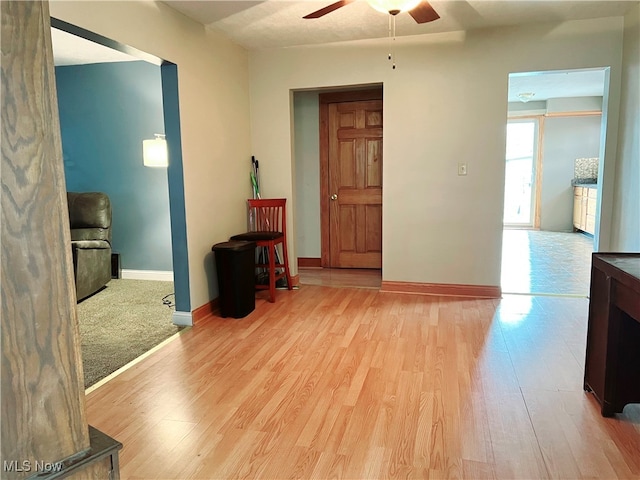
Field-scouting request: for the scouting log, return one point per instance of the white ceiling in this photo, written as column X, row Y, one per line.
column 69, row 49
column 558, row 84
column 279, row 23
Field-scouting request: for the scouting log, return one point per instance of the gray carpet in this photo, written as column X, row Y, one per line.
column 121, row 322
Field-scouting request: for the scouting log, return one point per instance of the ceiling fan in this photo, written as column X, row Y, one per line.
column 421, row 11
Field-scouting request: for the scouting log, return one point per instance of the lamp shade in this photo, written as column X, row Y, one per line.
column 154, row 152
column 388, row 6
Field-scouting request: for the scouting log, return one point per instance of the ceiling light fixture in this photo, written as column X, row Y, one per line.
column 393, row 8
column 420, row 10
column 525, row 96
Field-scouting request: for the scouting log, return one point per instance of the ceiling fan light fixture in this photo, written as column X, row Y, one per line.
column 524, row 97
column 393, row 6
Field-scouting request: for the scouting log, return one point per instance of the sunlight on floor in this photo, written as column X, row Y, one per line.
column 541, row 262
column 533, row 262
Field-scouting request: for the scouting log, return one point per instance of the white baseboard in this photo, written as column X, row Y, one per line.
column 182, row 318
column 147, row 275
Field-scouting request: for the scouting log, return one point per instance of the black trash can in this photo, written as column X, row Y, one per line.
column 235, row 266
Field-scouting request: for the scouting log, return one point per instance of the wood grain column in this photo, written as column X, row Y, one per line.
column 43, row 412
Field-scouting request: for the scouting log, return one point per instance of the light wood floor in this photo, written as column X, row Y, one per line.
column 357, row 384
column 341, row 277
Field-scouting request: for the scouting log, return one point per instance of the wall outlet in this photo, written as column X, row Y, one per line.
column 462, row 168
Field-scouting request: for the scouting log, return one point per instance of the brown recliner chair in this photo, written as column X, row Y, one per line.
column 90, row 221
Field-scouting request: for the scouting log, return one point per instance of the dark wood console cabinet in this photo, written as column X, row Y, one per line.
column 612, row 366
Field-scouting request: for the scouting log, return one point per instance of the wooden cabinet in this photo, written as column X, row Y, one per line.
column 585, row 200
column 612, row 364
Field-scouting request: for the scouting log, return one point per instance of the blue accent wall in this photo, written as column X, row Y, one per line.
column 176, row 187
column 106, row 111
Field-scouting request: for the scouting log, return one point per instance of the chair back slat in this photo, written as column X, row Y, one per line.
column 268, row 214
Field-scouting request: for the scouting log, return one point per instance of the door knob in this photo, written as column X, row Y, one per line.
column 334, row 196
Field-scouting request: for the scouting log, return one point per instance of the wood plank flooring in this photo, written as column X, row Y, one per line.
column 357, row 384
column 341, row 277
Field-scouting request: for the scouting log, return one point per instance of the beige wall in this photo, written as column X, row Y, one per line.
column 565, row 139
column 445, row 103
column 214, row 115
column 625, row 235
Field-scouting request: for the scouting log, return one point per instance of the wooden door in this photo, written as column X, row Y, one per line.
column 355, row 184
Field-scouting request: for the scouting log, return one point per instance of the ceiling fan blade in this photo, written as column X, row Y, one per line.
column 328, row 9
column 424, row 13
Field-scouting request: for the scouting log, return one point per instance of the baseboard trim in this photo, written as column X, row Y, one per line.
column 211, row 307
column 184, row 319
column 205, row 310
column 148, row 275
column 309, row 262
column 442, row 289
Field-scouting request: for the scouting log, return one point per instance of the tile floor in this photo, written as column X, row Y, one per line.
column 539, row 262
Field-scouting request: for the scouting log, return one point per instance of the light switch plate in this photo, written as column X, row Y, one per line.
column 462, row 168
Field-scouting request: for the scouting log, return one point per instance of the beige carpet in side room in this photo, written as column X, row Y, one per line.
column 121, row 322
